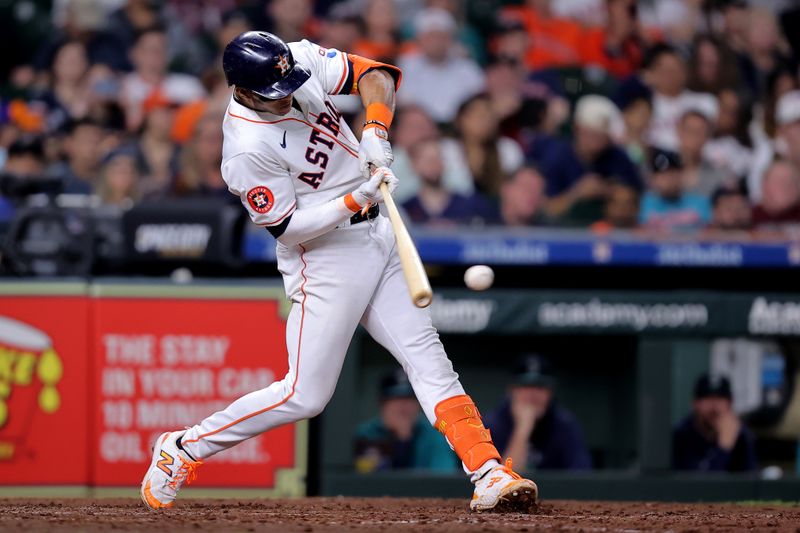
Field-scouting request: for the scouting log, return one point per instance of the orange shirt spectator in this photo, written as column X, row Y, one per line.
column 555, row 42
column 620, row 63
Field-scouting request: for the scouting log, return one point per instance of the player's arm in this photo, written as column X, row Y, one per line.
column 376, row 82
column 377, row 90
column 267, row 192
column 309, row 223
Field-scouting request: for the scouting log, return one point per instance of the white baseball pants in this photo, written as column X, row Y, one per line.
column 348, row 276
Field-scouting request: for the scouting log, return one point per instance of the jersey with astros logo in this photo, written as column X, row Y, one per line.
column 309, row 156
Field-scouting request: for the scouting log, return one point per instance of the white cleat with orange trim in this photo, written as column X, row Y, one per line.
column 503, row 490
column 170, row 468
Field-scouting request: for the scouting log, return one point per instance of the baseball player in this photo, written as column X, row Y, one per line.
column 302, row 174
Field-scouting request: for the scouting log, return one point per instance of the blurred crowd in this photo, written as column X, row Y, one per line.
column 658, row 116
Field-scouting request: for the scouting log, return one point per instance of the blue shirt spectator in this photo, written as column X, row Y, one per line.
column 712, row 438
column 668, row 205
column 459, row 209
column 578, row 173
column 685, row 212
column 563, row 168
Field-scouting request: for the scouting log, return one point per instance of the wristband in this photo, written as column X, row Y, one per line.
column 379, row 115
column 351, row 204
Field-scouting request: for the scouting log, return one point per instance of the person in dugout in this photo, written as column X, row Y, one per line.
column 532, row 428
column 400, row 436
column 712, row 437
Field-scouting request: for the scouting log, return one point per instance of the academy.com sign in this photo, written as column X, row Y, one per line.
column 622, row 315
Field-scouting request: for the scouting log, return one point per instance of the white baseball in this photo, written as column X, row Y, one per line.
column 479, row 277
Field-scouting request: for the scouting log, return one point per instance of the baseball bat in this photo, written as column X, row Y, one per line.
column 419, row 287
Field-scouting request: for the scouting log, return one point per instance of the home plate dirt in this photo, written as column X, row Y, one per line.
column 385, row 514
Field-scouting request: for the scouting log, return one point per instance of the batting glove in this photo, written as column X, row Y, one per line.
column 374, row 149
column 369, row 192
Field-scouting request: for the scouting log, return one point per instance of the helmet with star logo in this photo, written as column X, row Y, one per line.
column 263, row 63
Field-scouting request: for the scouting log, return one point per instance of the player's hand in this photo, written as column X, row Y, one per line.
column 369, row 193
column 728, row 426
column 374, row 150
column 524, row 415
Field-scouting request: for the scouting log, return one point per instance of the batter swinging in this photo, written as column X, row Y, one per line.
column 302, row 174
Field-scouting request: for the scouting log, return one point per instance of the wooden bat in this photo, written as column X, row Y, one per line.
column 417, row 280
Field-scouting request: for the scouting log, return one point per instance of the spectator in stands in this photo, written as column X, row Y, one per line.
column 731, row 149
column 83, row 22
column 488, row 156
column 342, row 27
column 667, row 205
column 150, row 79
column 788, row 119
column 510, row 40
column 578, row 173
column 411, row 125
column 522, row 198
column 531, row 428
column 69, row 92
column 765, row 48
column 435, row 204
column 401, row 437
column 780, row 196
column 119, row 178
column 712, row 66
column 555, row 41
column 712, row 438
column 82, row 149
column 156, row 150
column 731, row 209
column 24, row 161
column 699, row 175
column 380, row 40
column 133, row 18
column 621, row 210
column 436, row 70
column 665, row 73
column 635, row 100
column 199, row 163
column 617, row 47
column 292, row 20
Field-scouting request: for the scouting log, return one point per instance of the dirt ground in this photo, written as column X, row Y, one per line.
column 384, row 514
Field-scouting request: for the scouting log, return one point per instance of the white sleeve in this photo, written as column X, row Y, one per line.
column 263, row 185
column 311, row 222
column 332, row 67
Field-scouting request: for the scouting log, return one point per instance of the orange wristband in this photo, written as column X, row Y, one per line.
column 378, row 114
column 351, row 204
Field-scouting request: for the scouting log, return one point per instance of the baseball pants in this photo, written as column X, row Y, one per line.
column 348, row 276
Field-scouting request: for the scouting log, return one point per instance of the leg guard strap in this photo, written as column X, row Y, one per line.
column 460, row 422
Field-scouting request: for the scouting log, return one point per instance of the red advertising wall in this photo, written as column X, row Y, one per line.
column 44, row 390
column 165, row 364
column 88, row 382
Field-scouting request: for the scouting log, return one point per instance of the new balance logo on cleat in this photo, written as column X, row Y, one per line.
column 166, row 476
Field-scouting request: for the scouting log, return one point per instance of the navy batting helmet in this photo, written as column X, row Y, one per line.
column 262, row 63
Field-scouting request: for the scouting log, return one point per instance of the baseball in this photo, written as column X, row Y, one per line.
column 479, row 277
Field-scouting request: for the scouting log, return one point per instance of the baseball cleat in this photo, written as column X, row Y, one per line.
column 170, row 468
column 504, row 491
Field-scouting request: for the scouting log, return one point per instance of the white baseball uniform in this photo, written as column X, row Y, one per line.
column 350, row 275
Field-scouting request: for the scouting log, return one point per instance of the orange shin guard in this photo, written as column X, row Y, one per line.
column 460, row 422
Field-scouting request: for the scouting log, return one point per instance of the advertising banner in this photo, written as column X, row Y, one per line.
column 166, row 363
column 44, row 389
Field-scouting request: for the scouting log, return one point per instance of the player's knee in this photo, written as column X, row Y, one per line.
column 311, row 406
